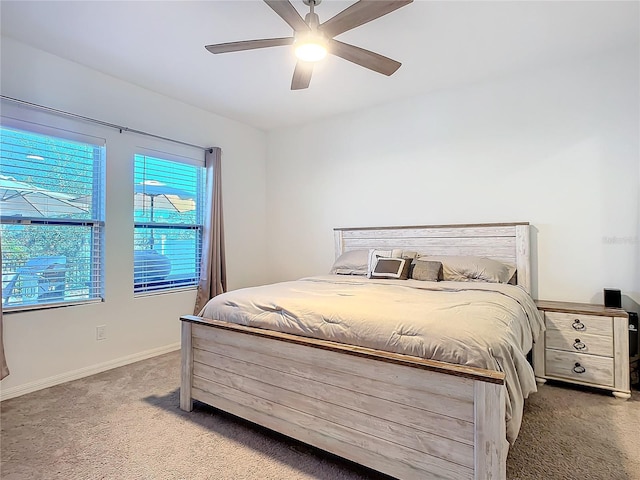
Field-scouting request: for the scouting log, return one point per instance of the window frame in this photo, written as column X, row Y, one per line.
column 96, row 223
column 142, row 289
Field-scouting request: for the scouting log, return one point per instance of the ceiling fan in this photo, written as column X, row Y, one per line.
column 313, row 40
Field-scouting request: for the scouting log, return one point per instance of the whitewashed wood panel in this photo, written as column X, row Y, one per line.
column 503, row 255
column 504, row 248
column 405, row 242
column 523, row 257
column 379, row 380
column 297, row 424
column 433, row 232
column 402, row 470
column 490, row 446
column 361, row 370
column 579, row 323
column 577, row 342
column 604, row 332
column 320, row 384
column 332, row 404
column 508, row 243
column 464, row 371
column 621, row 349
column 597, row 370
column 186, row 366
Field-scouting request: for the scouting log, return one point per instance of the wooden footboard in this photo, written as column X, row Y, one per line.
column 403, row 416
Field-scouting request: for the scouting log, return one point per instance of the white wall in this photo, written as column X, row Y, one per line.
column 46, row 347
column 558, row 148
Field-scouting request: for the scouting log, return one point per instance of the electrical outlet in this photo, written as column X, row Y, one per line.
column 101, row 332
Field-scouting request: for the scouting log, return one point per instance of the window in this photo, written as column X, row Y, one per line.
column 168, row 221
column 51, row 211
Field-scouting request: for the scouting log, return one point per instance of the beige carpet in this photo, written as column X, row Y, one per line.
column 126, row 424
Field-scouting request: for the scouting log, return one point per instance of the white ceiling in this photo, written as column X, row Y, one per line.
column 159, row 45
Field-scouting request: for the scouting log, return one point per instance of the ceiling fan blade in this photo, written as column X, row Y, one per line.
column 302, row 75
column 365, row 58
column 360, row 13
column 249, row 45
column 288, row 13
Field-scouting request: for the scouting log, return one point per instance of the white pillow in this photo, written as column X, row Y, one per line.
column 353, row 262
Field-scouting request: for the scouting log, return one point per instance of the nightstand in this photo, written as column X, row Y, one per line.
column 584, row 344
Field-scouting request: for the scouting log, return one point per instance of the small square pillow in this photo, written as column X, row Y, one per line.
column 353, row 262
column 388, row 267
column 426, row 270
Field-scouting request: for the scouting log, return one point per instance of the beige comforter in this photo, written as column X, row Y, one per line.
column 484, row 325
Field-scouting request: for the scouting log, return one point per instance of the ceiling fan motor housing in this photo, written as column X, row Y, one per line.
column 312, row 20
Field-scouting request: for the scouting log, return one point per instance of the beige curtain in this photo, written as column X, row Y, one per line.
column 4, row 369
column 213, row 270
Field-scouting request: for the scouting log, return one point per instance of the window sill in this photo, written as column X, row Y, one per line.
column 162, row 292
column 8, row 310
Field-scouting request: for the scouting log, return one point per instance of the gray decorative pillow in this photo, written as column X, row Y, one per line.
column 353, row 262
column 426, row 270
column 387, row 267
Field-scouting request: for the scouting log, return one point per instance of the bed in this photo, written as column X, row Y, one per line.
column 386, row 404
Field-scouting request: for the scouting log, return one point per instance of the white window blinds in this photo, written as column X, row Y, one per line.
column 51, row 209
column 168, row 221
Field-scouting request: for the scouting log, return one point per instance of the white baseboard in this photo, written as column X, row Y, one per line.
column 18, row 390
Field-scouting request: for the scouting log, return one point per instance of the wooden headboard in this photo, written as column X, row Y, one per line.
column 506, row 242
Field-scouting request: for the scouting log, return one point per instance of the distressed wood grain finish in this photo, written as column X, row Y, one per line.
column 604, row 353
column 579, row 323
column 474, row 373
column 400, row 413
column 577, row 342
column 580, row 367
column 580, row 308
column 186, row 364
column 523, row 256
column 621, row 357
column 317, row 399
column 375, row 453
column 490, row 444
column 506, row 242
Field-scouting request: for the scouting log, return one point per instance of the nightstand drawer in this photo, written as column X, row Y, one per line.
column 579, row 323
column 579, row 342
column 579, row 367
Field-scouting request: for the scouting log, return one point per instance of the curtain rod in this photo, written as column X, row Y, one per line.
column 99, row 122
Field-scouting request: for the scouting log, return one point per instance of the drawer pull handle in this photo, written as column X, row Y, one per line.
column 578, row 325
column 578, row 345
column 579, row 368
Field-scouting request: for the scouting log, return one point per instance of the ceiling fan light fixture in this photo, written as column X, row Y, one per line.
column 310, row 48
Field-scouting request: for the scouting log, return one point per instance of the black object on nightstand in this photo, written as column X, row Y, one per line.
column 612, row 298
column 634, row 350
column 634, row 341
